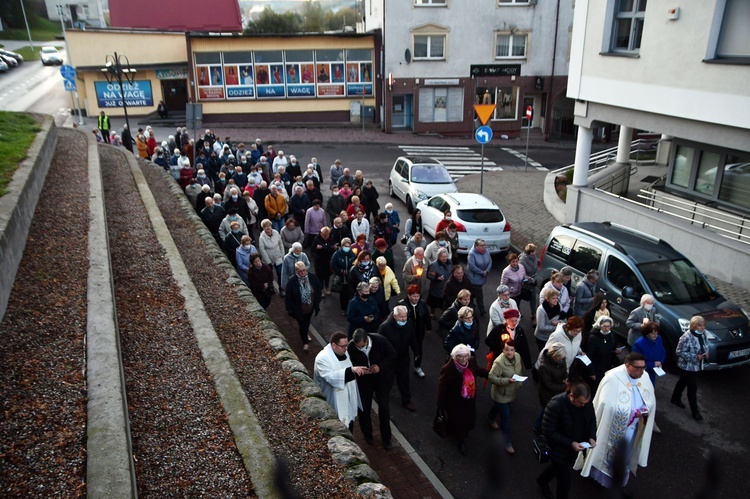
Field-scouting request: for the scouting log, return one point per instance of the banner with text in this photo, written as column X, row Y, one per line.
column 137, row 94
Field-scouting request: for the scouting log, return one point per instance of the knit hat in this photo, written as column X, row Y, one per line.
column 511, row 313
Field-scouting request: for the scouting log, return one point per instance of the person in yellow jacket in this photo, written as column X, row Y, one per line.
column 388, row 278
column 103, row 126
column 276, row 208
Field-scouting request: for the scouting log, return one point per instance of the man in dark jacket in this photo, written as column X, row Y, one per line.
column 298, row 206
column 127, row 139
column 212, row 217
column 569, row 425
column 362, row 311
column 339, row 231
column 303, row 293
column 419, row 314
column 237, row 202
column 399, row 330
column 377, row 354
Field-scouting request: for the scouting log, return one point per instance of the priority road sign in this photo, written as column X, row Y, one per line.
column 483, row 134
column 70, row 85
column 484, row 111
column 68, row 72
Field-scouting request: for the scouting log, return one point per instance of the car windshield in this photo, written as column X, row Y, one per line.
column 480, row 216
column 430, row 174
column 49, row 50
column 676, row 282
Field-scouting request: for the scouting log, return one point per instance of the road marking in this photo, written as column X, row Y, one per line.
column 523, row 157
column 459, row 161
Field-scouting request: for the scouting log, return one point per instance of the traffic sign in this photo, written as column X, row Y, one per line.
column 483, row 134
column 70, row 85
column 528, row 113
column 68, row 72
column 484, row 111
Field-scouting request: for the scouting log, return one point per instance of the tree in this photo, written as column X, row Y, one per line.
column 270, row 23
column 343, row 17
column 12, row 15
column 313, row 17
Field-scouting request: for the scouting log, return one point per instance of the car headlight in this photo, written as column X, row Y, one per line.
column 684, row 325
column 421, row 195
column 711, row 336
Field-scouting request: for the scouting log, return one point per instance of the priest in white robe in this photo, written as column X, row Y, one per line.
column 625, row 407
column 336, row 377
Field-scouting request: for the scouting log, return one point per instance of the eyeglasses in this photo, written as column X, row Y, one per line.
column 638, row 368
column 345, row 345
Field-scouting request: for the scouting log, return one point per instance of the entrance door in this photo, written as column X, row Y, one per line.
column 175, row 94
column 402, row 114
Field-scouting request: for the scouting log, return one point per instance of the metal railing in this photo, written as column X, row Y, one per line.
column 602, row 159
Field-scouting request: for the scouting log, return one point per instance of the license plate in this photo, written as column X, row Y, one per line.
column 739, row 353
column 491, row 247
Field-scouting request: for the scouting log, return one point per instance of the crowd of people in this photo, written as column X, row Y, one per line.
column 270, row 216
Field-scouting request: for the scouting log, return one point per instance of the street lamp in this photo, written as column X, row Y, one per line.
column 115, row 69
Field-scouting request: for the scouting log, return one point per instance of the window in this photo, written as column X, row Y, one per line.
column 430, row 3
column 429, row 47
column 620, row 275
column 733, row 40
column 517, row 2
column 628, row 25
column 510, row 45
column 708, row 168
column 438, row 203
column 561, row 246
column 735, row 184
column 441, row 104
column 504, row 98
column 480, row 216
column 584, row 257
column 683, row 164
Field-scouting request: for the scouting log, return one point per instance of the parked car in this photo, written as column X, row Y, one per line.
column 50, row 56
column 3, row 67
column 11, row 62
column 414, row 179
column 631, row 263
column 475, row 216
column 9, row 53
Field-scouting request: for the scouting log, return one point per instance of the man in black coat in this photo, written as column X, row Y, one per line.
column 399, row 330
column 127, row 139
column 419, row 314
column 302, row 305
column 212, row 217
column 298, row 206
column 362, row 311
column 569, row 421
column 376, row 353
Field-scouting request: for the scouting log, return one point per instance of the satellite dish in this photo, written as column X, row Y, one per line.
column 407, row 56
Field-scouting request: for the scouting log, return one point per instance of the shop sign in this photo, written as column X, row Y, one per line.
column 443, row 82
column 495, row 70
column 357, row 89
column 137, row 94
column 172, row 74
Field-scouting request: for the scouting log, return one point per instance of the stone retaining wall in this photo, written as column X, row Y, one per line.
column 18, row 204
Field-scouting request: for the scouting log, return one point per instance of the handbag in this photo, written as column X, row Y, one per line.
column 541, row 449
column 440, row 423
column 336, row 284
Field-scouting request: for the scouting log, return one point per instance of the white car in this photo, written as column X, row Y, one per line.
column 50, row 56
column 414, row 179
column 476, row 217
column 3, row 67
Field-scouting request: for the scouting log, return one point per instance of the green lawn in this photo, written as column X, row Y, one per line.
column 17, row 132
column 44, row 31
column 29, row 53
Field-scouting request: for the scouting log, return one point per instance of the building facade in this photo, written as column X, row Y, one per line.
column 443, row 56
column 76, row 13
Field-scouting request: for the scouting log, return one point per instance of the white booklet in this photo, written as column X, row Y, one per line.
column 516, row 377
column 584, row 358
column 585, row 445
column 659, row 371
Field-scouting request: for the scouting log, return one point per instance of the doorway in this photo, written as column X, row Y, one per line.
column 175, row 94
column 402, row 113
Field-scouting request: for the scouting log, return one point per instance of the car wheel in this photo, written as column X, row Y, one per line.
column 409, row 205
column 390, row 189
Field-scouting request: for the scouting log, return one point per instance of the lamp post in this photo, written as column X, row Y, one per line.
column 115, row 69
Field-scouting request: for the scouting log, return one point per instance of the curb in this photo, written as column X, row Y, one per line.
column 344, row 450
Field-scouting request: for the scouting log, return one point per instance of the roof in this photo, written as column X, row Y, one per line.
column 422, row 160
column 466, row 200
column 176, row 15
column 640, row 246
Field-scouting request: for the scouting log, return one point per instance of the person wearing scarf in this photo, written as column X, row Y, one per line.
column 692, row 353
column 302, row 299
column 456, row 397
column 547, row 316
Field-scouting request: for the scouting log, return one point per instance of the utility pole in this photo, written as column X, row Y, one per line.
column 61, row 11
column 28, row 31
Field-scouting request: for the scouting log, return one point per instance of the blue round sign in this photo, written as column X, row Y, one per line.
column 483, row 134
column 68, row 72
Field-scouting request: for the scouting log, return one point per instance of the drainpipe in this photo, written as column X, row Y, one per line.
column 551, row 96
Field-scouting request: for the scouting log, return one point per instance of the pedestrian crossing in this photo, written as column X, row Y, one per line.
column 460, row 161
column 522, row 157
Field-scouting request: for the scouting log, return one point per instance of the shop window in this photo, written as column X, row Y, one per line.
column 510, row 45
column 429, row 47
column 441, row 104
column 735, row 182
column 506, row 102
column 627, row 28
column 683, row 164
column 708, row 169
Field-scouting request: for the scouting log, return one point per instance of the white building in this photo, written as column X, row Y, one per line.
column 518, row 49
column 680, row 69
column 77, row 12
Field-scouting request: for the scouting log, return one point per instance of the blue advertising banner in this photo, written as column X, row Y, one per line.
column 355, row 89
column 240, row 92
column 137, row 94
column 300, row 90
column 271, row 91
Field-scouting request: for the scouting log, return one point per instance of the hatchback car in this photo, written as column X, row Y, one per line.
column 632, row 263
column 50, row 56
column 475, row 216
column 10, row 61
column 9, row 53
column 414, row 179
column 3, row 67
